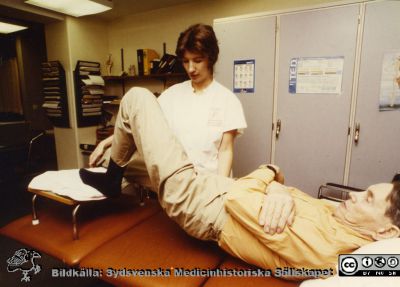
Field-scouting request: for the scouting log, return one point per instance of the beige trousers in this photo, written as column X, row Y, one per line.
column 194, row 200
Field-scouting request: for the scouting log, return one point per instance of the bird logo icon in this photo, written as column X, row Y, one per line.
column 24, row 260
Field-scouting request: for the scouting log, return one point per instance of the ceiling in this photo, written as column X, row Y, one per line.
column 128, row 7
column 18, row 10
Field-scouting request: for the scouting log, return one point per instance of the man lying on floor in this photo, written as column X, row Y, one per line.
column 242, row 215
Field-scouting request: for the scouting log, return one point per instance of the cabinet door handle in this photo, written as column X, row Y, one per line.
column 278, row 128
column 357, row 133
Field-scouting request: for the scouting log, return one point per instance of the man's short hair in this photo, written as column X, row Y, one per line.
column 393, row 212
column 200, row 39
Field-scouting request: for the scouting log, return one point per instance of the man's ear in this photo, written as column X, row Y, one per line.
column 390, row 231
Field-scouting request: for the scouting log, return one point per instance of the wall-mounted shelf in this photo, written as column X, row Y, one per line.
column 55, row 93
column 154, row 76
column 88, row 93
column 161, row 77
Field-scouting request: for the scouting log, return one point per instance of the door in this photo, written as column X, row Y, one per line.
column 376, row 157
column 250, row 39
column 311, row 147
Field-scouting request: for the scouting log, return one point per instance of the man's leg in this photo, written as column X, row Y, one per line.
column 108, row 183
column 141, row 127
column 135, row 171
column 194, row 201
column 139, row 114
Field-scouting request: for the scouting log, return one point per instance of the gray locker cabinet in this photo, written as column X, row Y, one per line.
column 376, row 157
column 250, row 39
column 314, row 145
column 311, row 148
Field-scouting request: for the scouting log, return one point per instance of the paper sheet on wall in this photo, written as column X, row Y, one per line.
column 316, row 75
column 389, row 97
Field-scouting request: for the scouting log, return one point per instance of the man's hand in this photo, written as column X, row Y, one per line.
column 278, row 209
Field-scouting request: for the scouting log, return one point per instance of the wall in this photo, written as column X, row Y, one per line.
column 91, row 39
column 151, row 29
column 65, row 138
column 87, row 42
column 68, row 41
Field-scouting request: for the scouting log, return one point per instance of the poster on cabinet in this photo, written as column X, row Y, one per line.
column 389, row 97
column 244, row 76
column 316, row 75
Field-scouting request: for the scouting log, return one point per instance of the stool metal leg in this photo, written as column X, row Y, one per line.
column 74, row 223
column 35, row 220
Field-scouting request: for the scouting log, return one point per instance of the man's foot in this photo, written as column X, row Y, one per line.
column 108, row 183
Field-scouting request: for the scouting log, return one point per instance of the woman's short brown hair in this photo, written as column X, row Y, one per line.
column 200, row 39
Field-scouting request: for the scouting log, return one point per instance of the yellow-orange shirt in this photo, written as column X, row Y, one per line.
column 313, row 241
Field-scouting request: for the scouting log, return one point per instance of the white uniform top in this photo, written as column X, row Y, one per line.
column 200, row 119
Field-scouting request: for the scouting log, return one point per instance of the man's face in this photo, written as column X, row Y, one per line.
column 196, row 66
column 365, row 211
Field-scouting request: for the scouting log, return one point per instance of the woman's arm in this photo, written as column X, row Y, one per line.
column 225, row 153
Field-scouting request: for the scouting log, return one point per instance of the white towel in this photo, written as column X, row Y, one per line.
column 67, row 183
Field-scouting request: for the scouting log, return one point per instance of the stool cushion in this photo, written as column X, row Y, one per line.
column 157, row 243
column 98, row 222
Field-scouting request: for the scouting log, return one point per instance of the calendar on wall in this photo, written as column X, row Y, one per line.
column 244, row 76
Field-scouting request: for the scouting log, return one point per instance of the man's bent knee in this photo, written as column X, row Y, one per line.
column 136, row 93
column 136, row 97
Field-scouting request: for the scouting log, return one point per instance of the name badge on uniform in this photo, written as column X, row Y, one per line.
column 215, row 117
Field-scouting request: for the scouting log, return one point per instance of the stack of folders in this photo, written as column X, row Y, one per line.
column 53, row 76
column 92, row 92
column 91, row 88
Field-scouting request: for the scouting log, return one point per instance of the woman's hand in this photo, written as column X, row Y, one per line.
column 97, row 154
